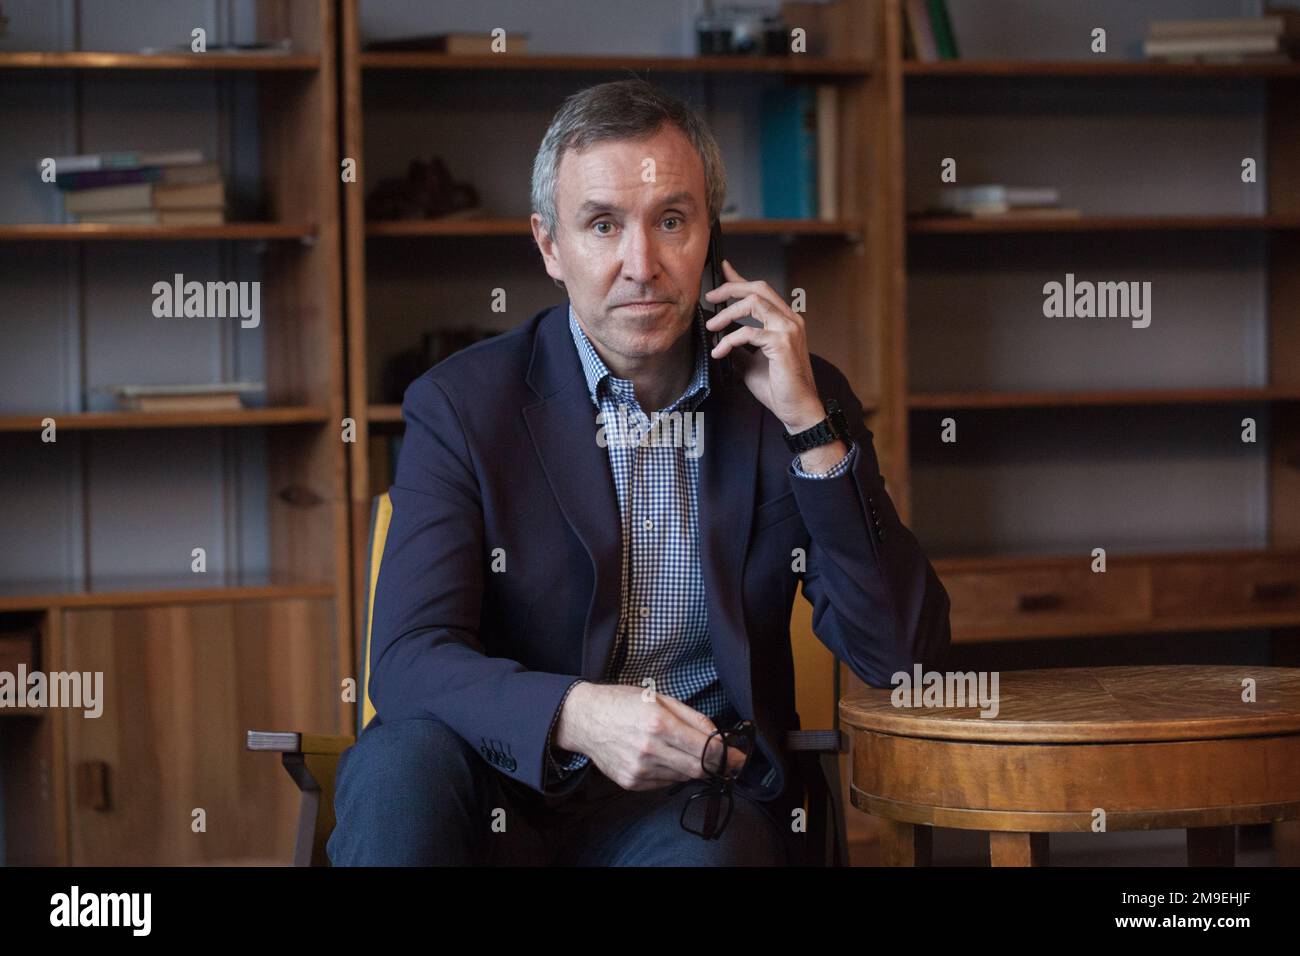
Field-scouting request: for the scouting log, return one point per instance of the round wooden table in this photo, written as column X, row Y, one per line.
column 1080, row 749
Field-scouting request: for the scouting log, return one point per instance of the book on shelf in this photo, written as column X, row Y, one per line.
column 799, row 146
column 172, row 175
column 186, row 397
column 145, row 196
column 828, row 152
column 928, row 33
column 201, row 203
column 1270, row 38
column 993, row 198
column 258, row 48
column 457, row 44
column 90, row 162
column 1025, row 212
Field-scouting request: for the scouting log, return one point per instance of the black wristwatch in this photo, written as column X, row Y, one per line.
column 829, row 429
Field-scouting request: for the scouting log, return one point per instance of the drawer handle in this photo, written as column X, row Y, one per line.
column 92, row 785
column 1040, row 602
column 1275, row 591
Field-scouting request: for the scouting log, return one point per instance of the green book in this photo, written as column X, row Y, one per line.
column 944, row 38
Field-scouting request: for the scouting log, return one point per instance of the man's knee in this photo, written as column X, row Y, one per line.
column 405, row 794
column 751, row 838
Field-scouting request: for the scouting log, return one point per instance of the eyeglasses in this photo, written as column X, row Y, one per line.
column 708, row 811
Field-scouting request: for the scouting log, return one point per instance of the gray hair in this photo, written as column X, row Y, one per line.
column 621, row 110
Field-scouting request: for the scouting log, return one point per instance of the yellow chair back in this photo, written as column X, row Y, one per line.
column 381, row 514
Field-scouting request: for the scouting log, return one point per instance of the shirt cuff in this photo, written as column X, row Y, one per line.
column 560, row 763
column 839, row 468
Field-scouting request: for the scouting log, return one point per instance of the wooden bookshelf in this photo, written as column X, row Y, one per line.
column 263, row 636
column 1168, row 580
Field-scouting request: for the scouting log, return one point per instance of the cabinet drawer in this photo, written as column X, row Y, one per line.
column 1215, row 587
column 1045, row 601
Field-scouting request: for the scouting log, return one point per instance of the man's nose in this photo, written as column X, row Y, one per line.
column 640, row 256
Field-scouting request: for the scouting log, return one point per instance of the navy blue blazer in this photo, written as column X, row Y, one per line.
column 500, row 581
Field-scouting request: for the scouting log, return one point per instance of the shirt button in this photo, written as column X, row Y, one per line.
column 645, row 611
column 648, row 524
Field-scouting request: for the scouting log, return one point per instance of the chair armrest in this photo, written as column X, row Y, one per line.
column 296, row 743
column 311, row 760
column 815, row 741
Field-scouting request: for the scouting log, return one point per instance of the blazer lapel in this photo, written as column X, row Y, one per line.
column 732, row 420
column 563, row 429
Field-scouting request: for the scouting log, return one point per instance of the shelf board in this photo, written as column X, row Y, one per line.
column 984, row 225
column 1114, row 397
column 1099, row 68
column 385, row 413
column 461, row 228
column 97, row 231
column 794, row 64
column 89, row 60
column 137, row 590
column 90, row 421
column 1058, row 557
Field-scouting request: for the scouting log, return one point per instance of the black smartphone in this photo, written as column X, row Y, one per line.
column 726, row 370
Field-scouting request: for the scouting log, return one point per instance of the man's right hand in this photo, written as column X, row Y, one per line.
column 640, row 744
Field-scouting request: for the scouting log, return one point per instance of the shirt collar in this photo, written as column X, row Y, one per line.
column 598, row 374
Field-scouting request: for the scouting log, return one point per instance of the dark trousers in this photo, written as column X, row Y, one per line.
column 414, row 793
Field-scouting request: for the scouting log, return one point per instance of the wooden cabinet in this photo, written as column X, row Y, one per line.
column 181, row 687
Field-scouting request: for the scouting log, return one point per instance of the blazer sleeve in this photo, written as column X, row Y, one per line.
column 878, row 604
column 427, row 656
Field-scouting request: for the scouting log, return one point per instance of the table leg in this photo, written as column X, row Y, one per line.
column 1211, row 846
column 904, row 844
column 1017, row 849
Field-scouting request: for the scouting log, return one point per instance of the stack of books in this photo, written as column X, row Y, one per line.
column 142, row 188
column 183, row 397
column 997, row 200
column 1268, row 39
column 929, row 35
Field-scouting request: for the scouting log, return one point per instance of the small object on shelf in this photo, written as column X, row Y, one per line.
column 90, row 162
column 427, row 192
column 456, row 44
column 262, row 47
column 184, row 397
column 997, row 199
column 435, row 345
column 738, row 30
column 1267, row 39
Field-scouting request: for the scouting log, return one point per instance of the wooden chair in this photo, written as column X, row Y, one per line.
column 312, row 759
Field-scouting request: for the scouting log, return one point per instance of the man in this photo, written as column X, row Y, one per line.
column 572, row 600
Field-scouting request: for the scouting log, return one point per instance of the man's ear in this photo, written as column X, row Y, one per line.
column 546, row 245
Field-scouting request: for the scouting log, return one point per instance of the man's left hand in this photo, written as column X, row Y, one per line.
column 780, row 373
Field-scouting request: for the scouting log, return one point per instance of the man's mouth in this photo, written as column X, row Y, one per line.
column 648, row 306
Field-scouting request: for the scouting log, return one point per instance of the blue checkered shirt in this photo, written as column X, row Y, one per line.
column 663, row 632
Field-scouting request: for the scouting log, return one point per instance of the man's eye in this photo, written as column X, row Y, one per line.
column 673, row 219
column 603, row 222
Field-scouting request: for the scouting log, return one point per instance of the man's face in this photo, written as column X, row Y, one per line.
column 625, row 237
